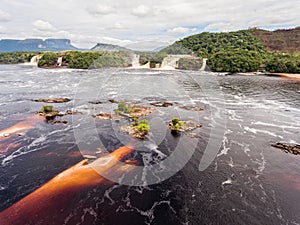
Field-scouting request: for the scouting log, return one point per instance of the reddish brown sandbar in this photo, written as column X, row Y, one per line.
column 21, row 126
column 51, row 203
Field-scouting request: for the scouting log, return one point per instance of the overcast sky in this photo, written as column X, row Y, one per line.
column 140, row 24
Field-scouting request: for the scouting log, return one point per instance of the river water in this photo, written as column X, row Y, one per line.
column 246, row 182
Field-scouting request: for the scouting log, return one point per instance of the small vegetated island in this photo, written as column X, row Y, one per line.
column 249, row 50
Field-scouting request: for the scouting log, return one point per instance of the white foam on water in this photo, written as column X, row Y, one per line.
column 255, row 131
column 276, row 125
column 227, row 182
column 233, row 116
column 225, row 149
column 23, row 150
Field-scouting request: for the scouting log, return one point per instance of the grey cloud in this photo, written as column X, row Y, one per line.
column 4, row 16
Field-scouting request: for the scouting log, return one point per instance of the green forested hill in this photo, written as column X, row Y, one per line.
column 205, row 44
column 239, row 51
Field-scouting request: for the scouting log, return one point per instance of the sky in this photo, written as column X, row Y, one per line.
column 142, row 25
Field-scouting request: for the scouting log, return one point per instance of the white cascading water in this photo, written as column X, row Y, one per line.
column 204, row 61
column 171, row 62
column 135, row 61
column 33, row 61
column 59, row 61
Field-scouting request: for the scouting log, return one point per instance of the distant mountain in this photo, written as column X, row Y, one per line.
column 35, row 45
column 101, row 47
column 159, row 49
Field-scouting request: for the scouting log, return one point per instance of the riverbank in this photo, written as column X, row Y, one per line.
column 287, row 75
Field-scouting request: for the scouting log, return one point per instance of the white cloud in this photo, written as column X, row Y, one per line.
column 87, row 22
column 118, row 25
column 141, row 10
column 99, row 9
column 2, row 30
column 4, row 16
column 147, row 45
column 115, row 41
column 222, row 26
column 181, row 30
column 42, row 25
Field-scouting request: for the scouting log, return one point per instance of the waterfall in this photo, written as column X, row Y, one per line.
column 33, row 60
column 135, row 61
column 203, row 64
column 59, row 61
column 146, row 66
column 171, row 62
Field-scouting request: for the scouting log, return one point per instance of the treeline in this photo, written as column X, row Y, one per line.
column 86, row 60
column 238, row 51
column 17, row 57
column 283, row 63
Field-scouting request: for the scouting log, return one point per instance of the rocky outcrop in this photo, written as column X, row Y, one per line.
column 52, row 100
column 191, row 108
column 162, row 104
column 288, row 148
column 138, row 111
column 107, row 116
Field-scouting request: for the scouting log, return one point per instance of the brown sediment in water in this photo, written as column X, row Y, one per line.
column 51, row 203
column 289, row 180
column 291, row 76
column 21, row 126
column 7, row 145
column 286, row 75
column 7, row 136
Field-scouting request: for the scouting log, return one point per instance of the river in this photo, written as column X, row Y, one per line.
column 246, row 181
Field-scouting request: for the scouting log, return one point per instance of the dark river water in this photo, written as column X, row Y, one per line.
column 225, row 173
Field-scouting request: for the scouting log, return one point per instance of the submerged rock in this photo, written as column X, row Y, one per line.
column 107, row 116
column 57, row 121
column 71, row 112
column 288, row 148
column 136, row 112
column 96, row 102
column 52, row 100
column 192, row 108
column 162, row 104
column 124, row 101
column 140, row 111
column 154, row 98
column 193, row 135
